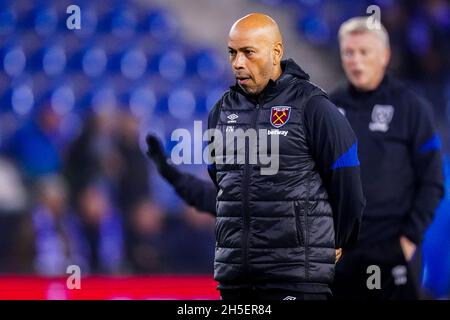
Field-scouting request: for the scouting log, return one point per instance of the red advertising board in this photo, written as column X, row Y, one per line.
column 109, row 288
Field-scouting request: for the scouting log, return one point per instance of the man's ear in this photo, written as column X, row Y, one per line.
column 278, row 51
column 386, row 57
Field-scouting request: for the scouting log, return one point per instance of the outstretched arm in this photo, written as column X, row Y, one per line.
column 194, row 191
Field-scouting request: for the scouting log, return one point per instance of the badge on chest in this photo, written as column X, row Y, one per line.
column 381, row 117
column 279, row 116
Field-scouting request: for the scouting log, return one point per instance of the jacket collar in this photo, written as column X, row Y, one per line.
column 366, row 94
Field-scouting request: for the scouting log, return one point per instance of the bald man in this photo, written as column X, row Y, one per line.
column 275, row 234
column 278, row 236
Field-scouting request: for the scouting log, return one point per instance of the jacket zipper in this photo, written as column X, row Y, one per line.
column 306, row 214
column 298, row 223
column 245, row 216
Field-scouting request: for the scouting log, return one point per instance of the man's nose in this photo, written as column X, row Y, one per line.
column 238, row 62
column 355, row 59
column 351, row 62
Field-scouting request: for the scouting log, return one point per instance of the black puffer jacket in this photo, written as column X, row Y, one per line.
column 277, row 230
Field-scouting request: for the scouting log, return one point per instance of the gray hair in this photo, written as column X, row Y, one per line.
column 364, row 24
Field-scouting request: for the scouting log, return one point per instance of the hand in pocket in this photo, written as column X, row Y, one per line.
column 408, row 247
column 338, row 254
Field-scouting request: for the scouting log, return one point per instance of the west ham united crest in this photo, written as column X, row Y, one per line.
column 381, row 117
column 280, row 116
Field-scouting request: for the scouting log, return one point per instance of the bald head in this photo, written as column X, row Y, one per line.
column 256, row 48
column 257, row 25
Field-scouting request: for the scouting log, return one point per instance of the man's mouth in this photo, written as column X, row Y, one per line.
column 357, row 73
column 242, row 80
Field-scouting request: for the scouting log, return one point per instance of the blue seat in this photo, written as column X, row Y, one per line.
column 133, row 63
column 22, row 99
column 8, row 21
column 162, row 26
column 172, row 65
column 142, row 101
column 209, row 65
column 14, row 60
column 94, row 61
column 124, row 22
column 46, row 21
column 54, row 60
column 315, row 28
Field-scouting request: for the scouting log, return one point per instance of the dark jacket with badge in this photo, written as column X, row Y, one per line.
column 399, row 150
column 281, row 230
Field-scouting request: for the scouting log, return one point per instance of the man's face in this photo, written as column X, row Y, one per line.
column 364, row 58
column 251, row 58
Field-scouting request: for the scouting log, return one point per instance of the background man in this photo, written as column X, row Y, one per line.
column 401, row 168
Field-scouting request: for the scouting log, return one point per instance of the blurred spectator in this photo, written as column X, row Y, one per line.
column 91, row 239
column 94, row 155
column 147, row 254
column 103, row 230
column 13, row 203
column 36, row 146
column 133, row 178
column 58, row 239
column 190, row 242
column 133, row 181
column 108, row 151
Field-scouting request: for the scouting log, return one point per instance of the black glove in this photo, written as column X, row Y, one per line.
column 155, row 152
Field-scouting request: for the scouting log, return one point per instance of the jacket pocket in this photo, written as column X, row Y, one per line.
column 298, row 223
